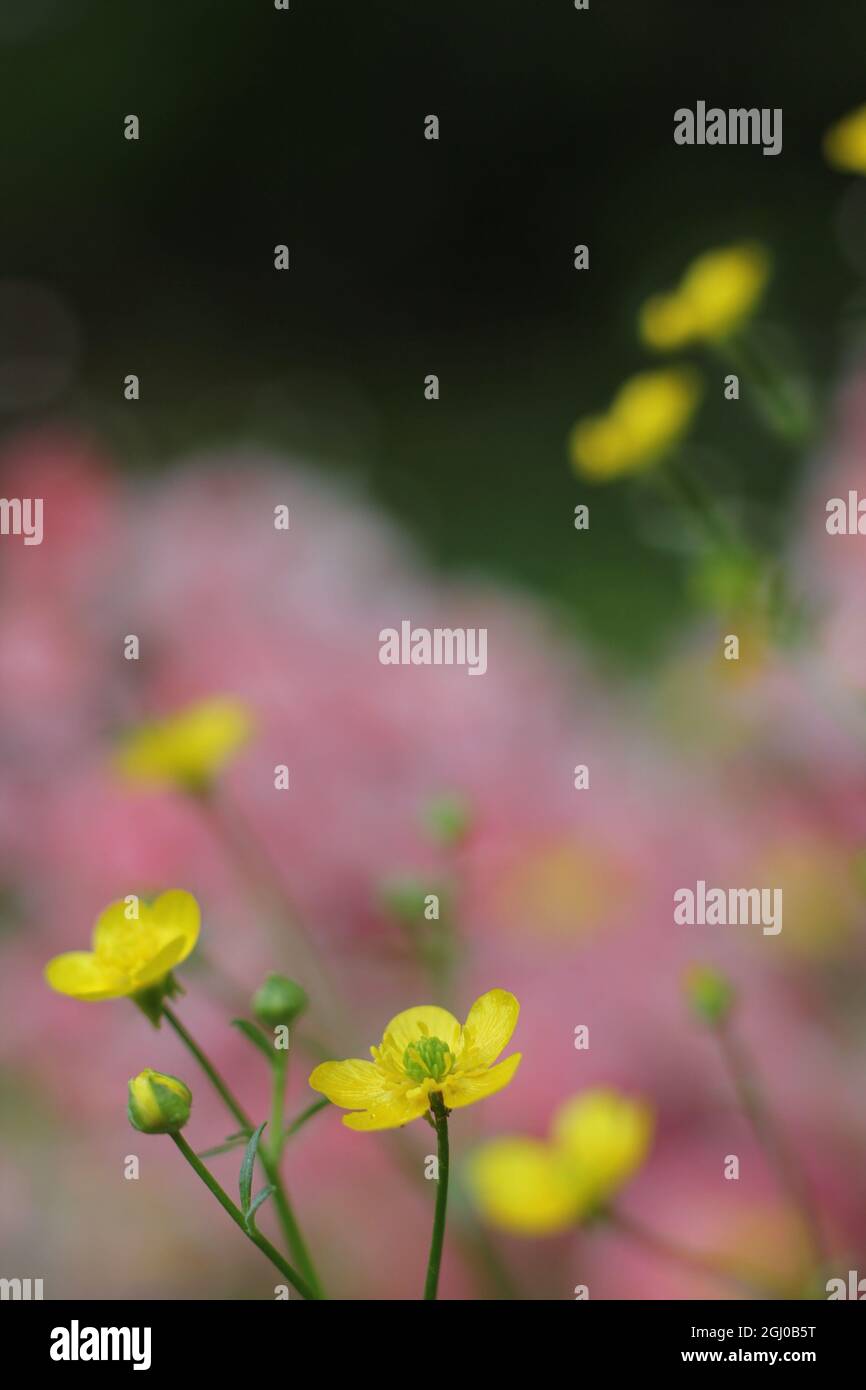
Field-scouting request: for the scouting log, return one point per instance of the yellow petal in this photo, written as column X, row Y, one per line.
column 158, row 966
column 723, row 287
column 354, row 1084
column 649, row 416
column 151, row 944
column 424, row 1021
column 522, row 1186
column 598, row 448
column 462, row 1090
column 112, row 927
column 655, row 408
column 388, row 1114
column 80, row 974
column 188, row 748
column 605, row 1135
column 666, row 322
column 488, row 1028
column 719, row 291
column 176, row 915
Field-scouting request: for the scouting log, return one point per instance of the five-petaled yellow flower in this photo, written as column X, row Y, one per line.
column 187, row 749
column 649, row 415
column 845, row 143
column 425, row 1050
column 532, row 1187
column 129, row 954
column 718, row 293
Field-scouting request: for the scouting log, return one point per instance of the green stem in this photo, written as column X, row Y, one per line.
column 223, row 1148
column 440, row 1122
column 781, row 399
column 288, row 1221
column 256, row 869
column 251, row 1233
column 692, row 1260
column 291, row 1229
column 209, row 1070
column 305, row 1115
column 694, row 499
column 792, row 1179
column 270, row 1157
column 279, row 1068
column 478, row 1248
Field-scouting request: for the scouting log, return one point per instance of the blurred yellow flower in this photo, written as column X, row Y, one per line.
column 425, row 1050
column 845, row 143
column 529, row 1187
column 186, row 749
column 718, row 293
column 129, row 953
column 649, row 415
column 158, row 1104
column 823, row 902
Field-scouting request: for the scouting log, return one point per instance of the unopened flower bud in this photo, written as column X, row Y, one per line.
column 158, row 1104
column 279, row 1001
column 448, row 819
column 710, row 994
column 403, row 898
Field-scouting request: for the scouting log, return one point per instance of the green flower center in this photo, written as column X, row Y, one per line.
column 428, row 1058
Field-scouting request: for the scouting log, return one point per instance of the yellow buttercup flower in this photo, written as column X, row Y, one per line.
column 718, row 293
column 129, row 954
column 187, row 749
column 845, row 143
column 532, row 1187
column 649, row 415
column 424, row 1051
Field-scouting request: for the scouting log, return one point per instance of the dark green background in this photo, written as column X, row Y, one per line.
column 411, row 257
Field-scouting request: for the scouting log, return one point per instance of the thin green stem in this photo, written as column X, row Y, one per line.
column 477, row 1247
column 288, row 1221
column 301, row 1120
column 251, row 1233
column 270, row 1157
column 256, row 869
column 467, row 1230
column 279, row 1069
column 694, row 499
column 695, row 1261
column 223, row 1148
column 440, row 1121
column 209, row 1070
column 782, row 400
column 792, row 1179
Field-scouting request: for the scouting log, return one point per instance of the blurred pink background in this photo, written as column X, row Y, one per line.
column 752, row 777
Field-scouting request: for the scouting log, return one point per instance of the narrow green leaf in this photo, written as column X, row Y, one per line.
column 257, row 1037
column 233, row 1143
column 245, row 1181
column 257, row 1201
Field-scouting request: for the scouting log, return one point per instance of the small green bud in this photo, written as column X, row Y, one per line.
column 279, row 1001
column 730, row 580
column 158, row 1104
column 404, row 898
column 447, row 818
column 710, row 994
